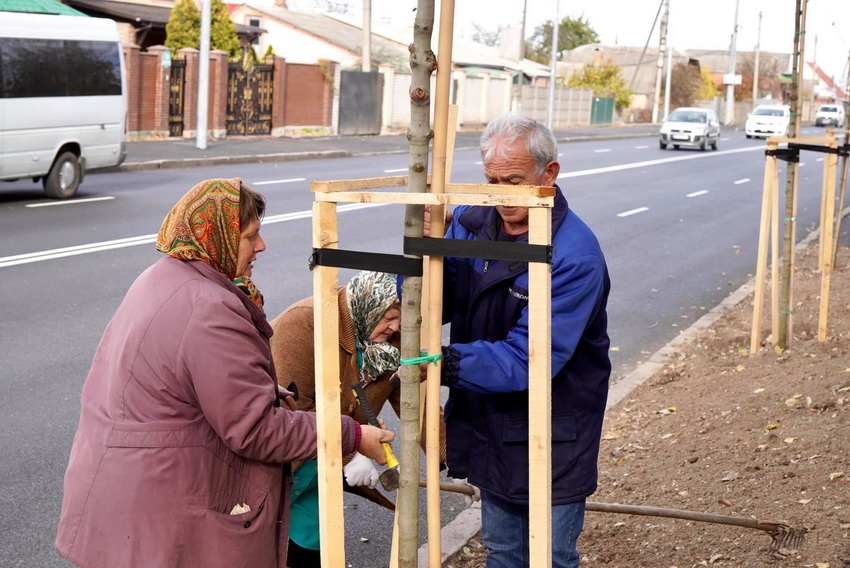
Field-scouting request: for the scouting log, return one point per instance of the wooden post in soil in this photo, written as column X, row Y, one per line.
column 842, row 184
column 326, row 332
column 789, row 242
column 829, row 164
column 769, row 196
column 422, row 64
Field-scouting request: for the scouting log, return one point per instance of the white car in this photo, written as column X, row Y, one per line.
column 688, row 126
column 768, row 120
column 830, row 115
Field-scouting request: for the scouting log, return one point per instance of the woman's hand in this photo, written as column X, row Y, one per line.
column 287, row 397
column 426, row 227
column 370, row 442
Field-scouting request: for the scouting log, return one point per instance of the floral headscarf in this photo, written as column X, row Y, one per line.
column 370, row 295
column 204, row 225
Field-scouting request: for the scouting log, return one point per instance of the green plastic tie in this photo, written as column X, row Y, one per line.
column 790, row 218
column 786, row 312
column 423, row 359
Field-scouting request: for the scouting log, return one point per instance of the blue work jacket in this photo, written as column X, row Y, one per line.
column 487, row 411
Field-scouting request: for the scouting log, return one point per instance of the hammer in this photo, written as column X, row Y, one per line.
column 389, row 478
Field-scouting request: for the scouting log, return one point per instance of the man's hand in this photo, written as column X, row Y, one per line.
column 370, row 442
column 360, row 471
column 426, row 228
column 470, row 499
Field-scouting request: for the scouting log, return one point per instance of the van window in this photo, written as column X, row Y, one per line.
column 58, row 68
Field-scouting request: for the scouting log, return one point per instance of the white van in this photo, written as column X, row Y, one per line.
column 830, row 115
column 63, row 106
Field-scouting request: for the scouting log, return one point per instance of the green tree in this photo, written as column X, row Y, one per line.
column 572, row 33
column 707, row 89
column 605, row 80
column 184, row 28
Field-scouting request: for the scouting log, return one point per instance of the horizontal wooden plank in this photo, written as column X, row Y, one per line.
column 436, row 199
column 358, row 184
column 489, row 189
column 335, row 186
column 826, row 140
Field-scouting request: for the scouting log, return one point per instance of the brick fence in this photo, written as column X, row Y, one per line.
column 303, row 93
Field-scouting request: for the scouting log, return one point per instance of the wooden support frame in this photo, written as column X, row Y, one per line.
column 769, row 228
column 540, row 201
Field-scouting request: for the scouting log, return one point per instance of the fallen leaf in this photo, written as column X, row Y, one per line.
column 683, row 493
column 615, row 349
column 731, row 476
column 724, row 502
column 799, row 395
column 792, row 402
column 759, row 390
column 804, row 501
column 668, row 410
column 621, row 524
column 822, row 565
column 716, row 557
column 364, row 539
column 789, row 440
column 844, row 389
column 611, row 435
column 740, row 368
column 771, row 427
column 665, row 436
column 836, row 475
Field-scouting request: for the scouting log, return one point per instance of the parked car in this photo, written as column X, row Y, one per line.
column 830, row 115
column 688, row 126
column 768, row 120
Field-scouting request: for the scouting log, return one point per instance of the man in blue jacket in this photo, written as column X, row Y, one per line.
column 486, row 364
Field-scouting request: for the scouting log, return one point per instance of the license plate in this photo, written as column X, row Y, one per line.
column 680, row 137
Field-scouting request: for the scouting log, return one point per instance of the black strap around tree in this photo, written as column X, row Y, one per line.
column 488, row 250
column 378, row 262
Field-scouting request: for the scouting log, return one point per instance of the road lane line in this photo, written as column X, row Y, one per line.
column 740, row 181
column 633, row 212
column 802, row 164
column 69, row 202
column 602, row 150
column 646, row 163
column 696, row 193
column 819, row 160
column 273, row 181
column 395, row 171
column 724, row 139
column 52, row 254
column 641, row 147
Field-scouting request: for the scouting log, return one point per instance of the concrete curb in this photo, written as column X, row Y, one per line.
column 219, row 160
column 457, row 533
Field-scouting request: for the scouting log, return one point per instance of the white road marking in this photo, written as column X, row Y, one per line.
column 740, row 181
column 273, row 181
column 647, row 163
column 641, row 147
column 395, row 171
column 602, row 150
column 802, row 164
column 696, row 193
column 480, row 163
column 625, row 213
column 724, row 139
column 70, row 201
column 819, row 160
column 52, row 254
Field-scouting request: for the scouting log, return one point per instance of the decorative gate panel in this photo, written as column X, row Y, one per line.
column 176, row 97
column 249, row 99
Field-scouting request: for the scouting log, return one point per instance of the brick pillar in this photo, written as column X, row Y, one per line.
column 279, row 97
column 190, row 95
column 217, row 112
column 132, row 72
column 161, row 90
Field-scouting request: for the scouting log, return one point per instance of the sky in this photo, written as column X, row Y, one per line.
column 693, row 24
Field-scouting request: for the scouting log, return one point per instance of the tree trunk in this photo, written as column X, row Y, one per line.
column 422, row 64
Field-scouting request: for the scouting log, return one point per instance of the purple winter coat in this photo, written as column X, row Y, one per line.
column 178, row 425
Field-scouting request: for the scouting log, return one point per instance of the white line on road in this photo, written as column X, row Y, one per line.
column 602, row 150
column 70, row 202
column 724, row 139
column 621, row 167
column 270, row 182
column 27, row 258
column 641, row 147
column 819, row 160
column 633, row 212
column 696, row 193
column 395, row 171
column 740, row 181
column 802, row 164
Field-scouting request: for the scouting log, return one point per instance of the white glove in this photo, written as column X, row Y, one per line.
column 470, row 499
column 361, row 471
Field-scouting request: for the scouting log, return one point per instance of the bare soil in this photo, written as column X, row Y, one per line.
column 763, row 437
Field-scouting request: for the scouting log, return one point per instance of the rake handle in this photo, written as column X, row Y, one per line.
column 680, row 514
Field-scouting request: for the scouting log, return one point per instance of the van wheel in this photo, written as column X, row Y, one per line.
column 64, row 177
column 714, row 145
column 662, row 145
column 702, row 146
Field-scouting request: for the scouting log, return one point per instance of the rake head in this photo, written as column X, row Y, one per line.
column 785, row 538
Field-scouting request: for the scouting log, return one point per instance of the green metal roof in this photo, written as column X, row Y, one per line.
column 39, row 7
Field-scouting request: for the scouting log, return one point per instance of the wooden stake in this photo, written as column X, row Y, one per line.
column 830, row 163
column 768, row 190
column 774, row 254
column 540, row 395
column 326, row 337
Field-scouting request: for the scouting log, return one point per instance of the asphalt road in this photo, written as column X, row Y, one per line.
column 678, row 228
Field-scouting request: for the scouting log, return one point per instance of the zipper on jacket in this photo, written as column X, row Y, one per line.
column 486, row 266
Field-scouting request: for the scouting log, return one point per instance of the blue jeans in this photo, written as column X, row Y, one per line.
column 504, row 530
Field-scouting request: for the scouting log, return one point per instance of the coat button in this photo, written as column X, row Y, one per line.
column 247, row 524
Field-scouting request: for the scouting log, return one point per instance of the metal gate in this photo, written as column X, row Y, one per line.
column 250, row 91
column 602, row 110
column 360, row 101
column 175, row 97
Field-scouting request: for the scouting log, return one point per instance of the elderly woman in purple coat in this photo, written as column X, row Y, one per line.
column 177, row 457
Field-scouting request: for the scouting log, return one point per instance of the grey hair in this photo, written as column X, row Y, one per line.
column 539, row 140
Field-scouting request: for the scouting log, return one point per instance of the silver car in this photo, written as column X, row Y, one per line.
column 688, row 126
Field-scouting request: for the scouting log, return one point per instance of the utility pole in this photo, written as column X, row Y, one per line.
column 203, row 76
column 730, row 86
column 756, row 66
column 668, row 81
column 814, row 75
column 522, row 33
column 789, row 240
column 662, row 46
column 366, row 61
column 550, row 115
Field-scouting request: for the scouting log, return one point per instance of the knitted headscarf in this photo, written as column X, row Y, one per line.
column 369, row 296
column 204, row 225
